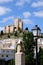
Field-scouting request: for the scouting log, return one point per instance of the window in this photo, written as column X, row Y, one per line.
column 12, row 51
column 6, row 55
column 2, row 55
column 7, row 50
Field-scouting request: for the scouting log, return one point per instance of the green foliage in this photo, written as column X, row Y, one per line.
column 8, row 35
column 2, row 32
column 20, row 30
column 28, row 43
column 11, row 62
column 26, row 28
column 15, row 34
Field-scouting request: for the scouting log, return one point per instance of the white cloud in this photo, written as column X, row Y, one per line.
column 4, row 10
column 37, row 4
column 38, row 13
column 26, row 14
column 1, row 28
column 27, row 21
column 22, row 2
column 5, row 1
column 6, row 19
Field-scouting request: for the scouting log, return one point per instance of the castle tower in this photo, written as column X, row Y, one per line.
column 11, row 28
column 6, row 29
column 18, row 24
column 21, row 25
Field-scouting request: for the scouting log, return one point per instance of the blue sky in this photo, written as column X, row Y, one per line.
column 30, row 12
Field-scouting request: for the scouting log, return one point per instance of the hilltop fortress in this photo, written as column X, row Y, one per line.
column 18, row 24
column 8, row 43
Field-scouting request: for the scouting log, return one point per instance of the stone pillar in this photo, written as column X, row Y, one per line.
column 19, row 56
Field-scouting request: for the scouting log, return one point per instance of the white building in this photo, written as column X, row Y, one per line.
column 7, row 47
column 39, row 44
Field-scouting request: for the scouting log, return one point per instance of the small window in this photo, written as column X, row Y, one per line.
column 2, row 55
column 6, row 55
column 7, row 50
column 11, row 50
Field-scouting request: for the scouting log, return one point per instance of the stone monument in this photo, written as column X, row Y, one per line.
column 19, row 56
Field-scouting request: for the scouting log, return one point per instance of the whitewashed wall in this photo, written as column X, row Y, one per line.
column 7, row 47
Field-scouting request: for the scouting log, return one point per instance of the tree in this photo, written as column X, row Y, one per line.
column 20, row 30
column 28, row 43
column 15, row 34
column 8, row 35
column 11, row 62
column 2, row 32
column 26, row 28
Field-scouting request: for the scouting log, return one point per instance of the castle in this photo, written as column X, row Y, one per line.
column 18, row 24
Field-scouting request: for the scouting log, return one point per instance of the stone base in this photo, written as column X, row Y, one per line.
column 20, row 58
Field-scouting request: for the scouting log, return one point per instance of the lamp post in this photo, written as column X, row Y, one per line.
column 36, row 32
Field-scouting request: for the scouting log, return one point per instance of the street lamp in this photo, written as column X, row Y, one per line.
column 36, row 32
